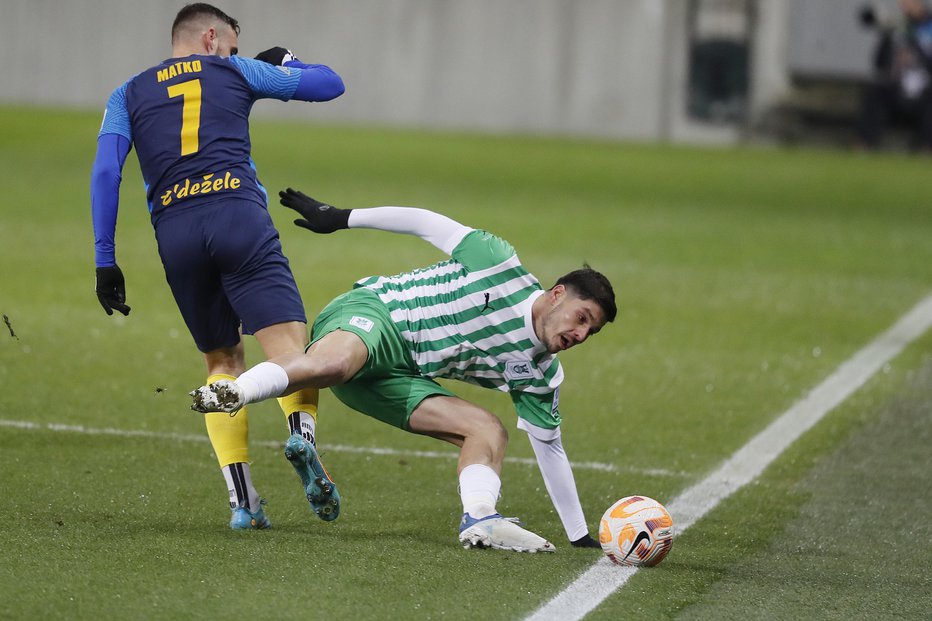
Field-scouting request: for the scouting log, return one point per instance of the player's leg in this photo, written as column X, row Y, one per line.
column 258, row 281
column 331, row 361
column 401, row 397
column 340, row 349
column 345, row 333
column 342, row 344
column 196, row 286
column 229, row 437
column 482, row 440
column 334, row 358
column 480, row 434
column 300, row 406
column 317, row 368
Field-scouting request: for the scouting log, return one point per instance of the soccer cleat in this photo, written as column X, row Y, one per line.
column 319, row 488
column 221, row 396
column 243, row 519
column 500, row 533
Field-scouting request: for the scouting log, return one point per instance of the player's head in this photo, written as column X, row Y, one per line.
column 575, row 308
column 207, row 28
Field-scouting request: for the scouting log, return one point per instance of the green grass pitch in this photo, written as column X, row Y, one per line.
column 744, row 277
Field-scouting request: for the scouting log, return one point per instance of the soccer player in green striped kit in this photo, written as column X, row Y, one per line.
column 480, row 317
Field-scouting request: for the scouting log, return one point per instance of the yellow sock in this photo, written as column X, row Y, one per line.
column 229, row 435
column 304, row 400
column 300, row 410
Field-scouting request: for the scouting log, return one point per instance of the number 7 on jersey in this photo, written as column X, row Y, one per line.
column 190, row 92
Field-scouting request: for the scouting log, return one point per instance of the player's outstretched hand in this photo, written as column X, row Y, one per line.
column 111, row 289
column 317, row 216
column 276, row 56
column 586, row 542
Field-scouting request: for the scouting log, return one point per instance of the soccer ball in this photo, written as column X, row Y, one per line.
column 636, row 531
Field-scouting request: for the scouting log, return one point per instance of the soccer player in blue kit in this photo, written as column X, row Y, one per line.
column 188, row 120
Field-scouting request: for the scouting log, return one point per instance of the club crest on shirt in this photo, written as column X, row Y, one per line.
column 362, row 323
column 518, row 369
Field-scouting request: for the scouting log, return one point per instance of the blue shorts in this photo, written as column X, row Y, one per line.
column 225, row 266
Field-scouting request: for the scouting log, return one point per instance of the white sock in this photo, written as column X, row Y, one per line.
column 479, row 488
column 263, row 381
column 304, row 424
column 239, row 484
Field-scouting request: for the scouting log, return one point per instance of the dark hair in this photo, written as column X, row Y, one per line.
column 191, row 11
column 588, row 284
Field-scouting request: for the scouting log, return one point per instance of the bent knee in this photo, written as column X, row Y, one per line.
column 491, row 426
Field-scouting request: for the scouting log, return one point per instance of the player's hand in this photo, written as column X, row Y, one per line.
column 586, row 542
column 318, row 217
column 276, row 56
column 111, row 289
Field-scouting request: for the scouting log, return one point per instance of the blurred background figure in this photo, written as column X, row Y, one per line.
column 900, row 92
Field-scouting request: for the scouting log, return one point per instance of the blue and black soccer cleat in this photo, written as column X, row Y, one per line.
column 243, row 519
column 319, row 488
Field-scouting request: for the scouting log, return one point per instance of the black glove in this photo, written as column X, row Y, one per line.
column 318, row 217
column 111, row 289
column 586, row 542
column 276, row 56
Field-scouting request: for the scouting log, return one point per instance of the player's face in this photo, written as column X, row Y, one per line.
column 569, row 321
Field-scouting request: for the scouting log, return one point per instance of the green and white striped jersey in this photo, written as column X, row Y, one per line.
column 469, row 318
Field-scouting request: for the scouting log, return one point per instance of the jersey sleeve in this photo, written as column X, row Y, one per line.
column 480, row 250
column 268, row 81
column 116, row 116
column 438, row 230
column 113, row 144
column 106, row 175
column 305, row 82
column 558, row 477
column 318, row 82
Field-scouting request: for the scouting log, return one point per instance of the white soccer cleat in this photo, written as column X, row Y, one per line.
column 500, row 533
column 221, row 396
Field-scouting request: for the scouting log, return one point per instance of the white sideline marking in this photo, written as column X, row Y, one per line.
column 603, row 578
column 339, row 448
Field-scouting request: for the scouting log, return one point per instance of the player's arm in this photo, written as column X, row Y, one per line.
column 277, row 74
column 539, row 417
column 113, row 145
column 558, row 477
column 434, row 228
column 317, row 83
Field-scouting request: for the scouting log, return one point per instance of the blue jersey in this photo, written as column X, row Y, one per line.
column 188, row 119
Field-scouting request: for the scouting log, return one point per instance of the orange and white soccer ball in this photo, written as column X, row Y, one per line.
column 636, row 531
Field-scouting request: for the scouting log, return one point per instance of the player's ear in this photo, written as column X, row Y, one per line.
column 557, row 292
column 209, row 39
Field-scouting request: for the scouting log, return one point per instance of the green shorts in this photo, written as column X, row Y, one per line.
column 389, row 386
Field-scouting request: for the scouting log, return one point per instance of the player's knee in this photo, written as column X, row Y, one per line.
column 492, row 428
